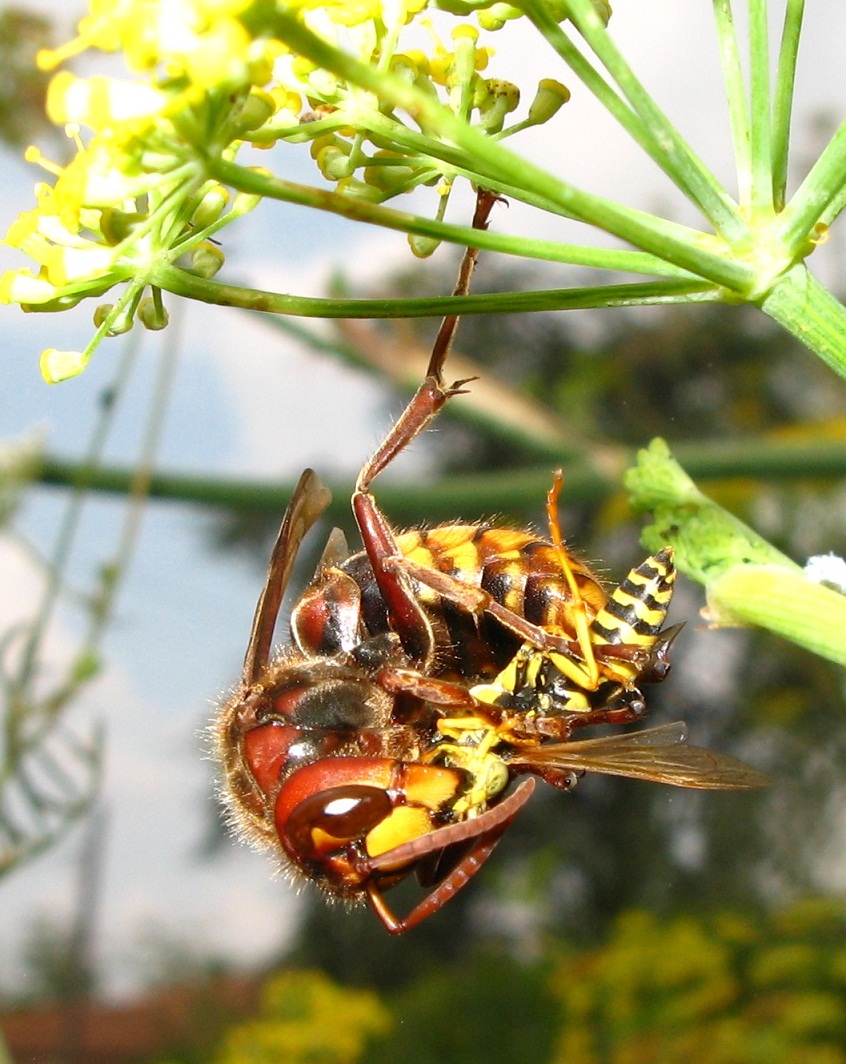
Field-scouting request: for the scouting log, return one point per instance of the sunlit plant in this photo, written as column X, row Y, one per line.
column 389, row 100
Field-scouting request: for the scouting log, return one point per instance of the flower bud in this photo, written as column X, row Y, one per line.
column 206, row 260
column 503, row 98
column 211, row 206
column 495, row 16
column 334, row 163
column 549, row 99
column 387, row 178
column 61, row 365
column 423, row 246
column 152, row 314
column 118, row 324
column 258, row 107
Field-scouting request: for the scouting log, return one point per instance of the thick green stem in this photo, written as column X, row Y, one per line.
column 471, row 495
column 807, row 310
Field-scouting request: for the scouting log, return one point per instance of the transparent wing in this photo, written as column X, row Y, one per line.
column 308, row 502
column 660, row 754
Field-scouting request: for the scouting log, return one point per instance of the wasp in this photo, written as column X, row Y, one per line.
column 431, row 678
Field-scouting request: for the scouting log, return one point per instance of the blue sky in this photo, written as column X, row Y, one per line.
column 248, row 403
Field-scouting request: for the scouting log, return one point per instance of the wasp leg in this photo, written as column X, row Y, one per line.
column 432, row 393
column 407, row 619
column 486, row 831
column 580, row 617
column 427, row 688
column 476, row 601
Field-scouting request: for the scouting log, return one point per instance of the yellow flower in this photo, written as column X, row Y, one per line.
column 21, row 286
column 101, row 102
column 61, row 365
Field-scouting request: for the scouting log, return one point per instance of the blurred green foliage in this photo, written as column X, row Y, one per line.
column 722, row 988
column 23, row 87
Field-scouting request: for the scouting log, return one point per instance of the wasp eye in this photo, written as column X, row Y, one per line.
column 337, row 815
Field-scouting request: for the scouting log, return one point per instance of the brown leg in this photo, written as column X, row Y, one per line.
column 407, row 618
column 476, row 601
column 486, row 829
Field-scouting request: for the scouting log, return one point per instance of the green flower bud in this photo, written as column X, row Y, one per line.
column 387, row 178
column 495, row 16
column 351, row 186
column 334, row 163
column 549, row 99
column 211, row 206
column 206, row 259
column 152, row 314
column 423, row 246
column 258, row 108
column 101, row 313
column 122, row 322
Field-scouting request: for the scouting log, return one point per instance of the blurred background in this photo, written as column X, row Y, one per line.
column 625, row 922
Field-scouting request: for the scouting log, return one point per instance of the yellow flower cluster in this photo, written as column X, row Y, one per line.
column 209, row 76
column 305, row 1017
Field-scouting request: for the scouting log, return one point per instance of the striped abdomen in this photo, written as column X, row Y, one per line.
column 520, row 571
column 635, row 611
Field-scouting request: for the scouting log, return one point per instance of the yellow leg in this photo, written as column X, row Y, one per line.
column 580, row 618
column 488, row 771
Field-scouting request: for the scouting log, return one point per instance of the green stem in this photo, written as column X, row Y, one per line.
column 267, row 186
column 807, row 310
column 820, row 197
column 759, row 92
column 469, row 495
column 736, row 93
column 654, row 293
column 783, row 98
column 651, row 129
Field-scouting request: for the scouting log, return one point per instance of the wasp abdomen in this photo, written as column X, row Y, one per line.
column 520, row 571
column 636, row 610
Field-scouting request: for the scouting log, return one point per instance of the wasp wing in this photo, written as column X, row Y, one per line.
column 308, row 502
column 660, row 754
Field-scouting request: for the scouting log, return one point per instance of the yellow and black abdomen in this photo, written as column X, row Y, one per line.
column 520, row 571
column 637, row 608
